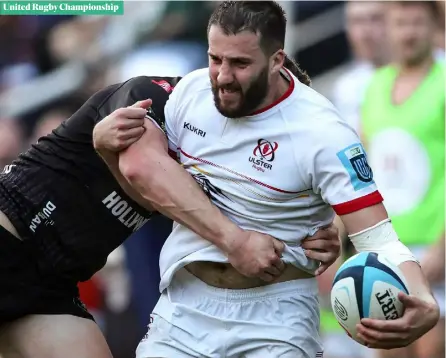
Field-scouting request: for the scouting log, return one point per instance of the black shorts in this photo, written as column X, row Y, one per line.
column 26, row 289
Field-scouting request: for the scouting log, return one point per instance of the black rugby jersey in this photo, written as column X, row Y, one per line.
column 61, row 194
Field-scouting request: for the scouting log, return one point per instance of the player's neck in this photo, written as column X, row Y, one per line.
column 277, row 90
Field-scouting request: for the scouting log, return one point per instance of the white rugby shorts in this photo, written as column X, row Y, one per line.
column 193, row 319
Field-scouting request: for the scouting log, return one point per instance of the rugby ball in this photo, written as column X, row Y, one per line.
column 367, row 286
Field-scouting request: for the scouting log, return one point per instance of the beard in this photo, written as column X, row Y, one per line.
column 249, row 99
column 418, row 58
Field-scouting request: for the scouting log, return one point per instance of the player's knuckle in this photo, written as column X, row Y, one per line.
column 405, row 337
column 120, row 112
column 377, row 337
column 271, row 258
column 120, row 125
column 326, row 257
column 256, row 270
column 263, row 266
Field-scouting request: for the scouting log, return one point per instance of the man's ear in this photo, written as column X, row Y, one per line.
column 277, row 60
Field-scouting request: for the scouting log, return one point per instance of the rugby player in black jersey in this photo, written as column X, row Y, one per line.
column 62, row 213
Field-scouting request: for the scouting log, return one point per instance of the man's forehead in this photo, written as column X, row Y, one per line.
column 363, row 9
column 244, row 44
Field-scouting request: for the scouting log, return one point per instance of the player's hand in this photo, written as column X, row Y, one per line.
column 323, row 246
column 257, row 255
column 121, row 128
column 419, row 317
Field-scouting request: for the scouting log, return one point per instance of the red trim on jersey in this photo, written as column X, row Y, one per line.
column 358, row 204
column 240, row 175
column 166, row 86
column 282, row 98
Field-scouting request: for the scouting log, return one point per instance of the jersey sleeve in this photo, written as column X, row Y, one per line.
column 175, row 109
column 172, row 114
column 339, row 170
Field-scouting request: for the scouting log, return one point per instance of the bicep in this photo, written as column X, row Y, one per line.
column 344, row 179
column 136, row 157
column 364, row 218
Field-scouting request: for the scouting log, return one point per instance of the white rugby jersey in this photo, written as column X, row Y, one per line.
column 280, row 171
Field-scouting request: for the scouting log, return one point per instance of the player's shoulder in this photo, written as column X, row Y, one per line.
column 197, row 77
column 309, row 106
column 316, row 116
column 135, row 89
column 149, row 84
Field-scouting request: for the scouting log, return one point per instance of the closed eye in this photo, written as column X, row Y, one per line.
column 241, row 63
column 215, row 59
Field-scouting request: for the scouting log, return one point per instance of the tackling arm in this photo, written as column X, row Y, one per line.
column 145, row 170
column 112, row 160
column 159, row 179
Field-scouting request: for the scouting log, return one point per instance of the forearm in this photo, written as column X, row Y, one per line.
column 382, row 239
column 174, row 193
column 418, row 285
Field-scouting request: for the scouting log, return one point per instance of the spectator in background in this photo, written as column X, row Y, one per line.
column 17, row 56
column 176, row 46
column 47, row 122
column 366, row 34
column 11, row 141
column 440, row 35
column 402, row 124
column 22, row 42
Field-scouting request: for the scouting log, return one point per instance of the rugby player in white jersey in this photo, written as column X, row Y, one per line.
column 275, row 157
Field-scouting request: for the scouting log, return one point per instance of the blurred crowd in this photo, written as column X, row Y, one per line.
column 169, row 38
column 393, row 94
